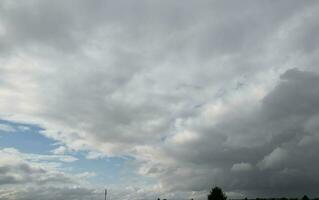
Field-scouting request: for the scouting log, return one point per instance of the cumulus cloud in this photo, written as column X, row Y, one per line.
column 19, row 168
column 190, row 90
column 277, row 156
column 22, row 176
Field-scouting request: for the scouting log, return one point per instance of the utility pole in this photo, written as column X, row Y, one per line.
column 105, row 193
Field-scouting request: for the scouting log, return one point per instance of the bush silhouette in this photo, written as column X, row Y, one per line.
column 217, row 194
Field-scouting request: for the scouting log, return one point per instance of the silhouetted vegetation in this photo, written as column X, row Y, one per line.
column 217, row 194
column 305, row 197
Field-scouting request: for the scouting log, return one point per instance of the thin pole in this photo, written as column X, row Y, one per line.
column 105, row 193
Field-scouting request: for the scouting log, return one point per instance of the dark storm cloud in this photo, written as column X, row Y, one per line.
column 280, row 161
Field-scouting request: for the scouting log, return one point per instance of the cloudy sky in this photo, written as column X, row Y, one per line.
column 153, row 98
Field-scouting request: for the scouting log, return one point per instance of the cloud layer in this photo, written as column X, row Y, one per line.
column 197, row 93
column 267, row 150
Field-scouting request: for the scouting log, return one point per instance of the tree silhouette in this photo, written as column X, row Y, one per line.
column 305, row 197
column 217, row 194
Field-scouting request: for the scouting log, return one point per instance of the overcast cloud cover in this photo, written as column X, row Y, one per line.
column 193, row 93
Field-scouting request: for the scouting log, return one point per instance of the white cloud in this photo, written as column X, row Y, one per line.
column 92, row 155
column 59, row 150
column 237, row 167
column 184, row 137
column 6, row 128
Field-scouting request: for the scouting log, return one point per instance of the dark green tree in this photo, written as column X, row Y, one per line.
column 217, row 194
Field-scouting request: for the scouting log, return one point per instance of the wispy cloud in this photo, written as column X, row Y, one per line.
column 6, row 128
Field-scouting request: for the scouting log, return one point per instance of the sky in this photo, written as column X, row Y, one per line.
column 153, row 98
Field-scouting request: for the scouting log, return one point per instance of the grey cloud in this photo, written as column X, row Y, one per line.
column 17, row 169
column 284, row 166
column 295, row 85
column 51, row 193
column 69, row 25
column 75, row 193
column 24, row 173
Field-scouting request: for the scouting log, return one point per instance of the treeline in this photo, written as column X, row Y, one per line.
column 217, row 193
column 305, row 197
